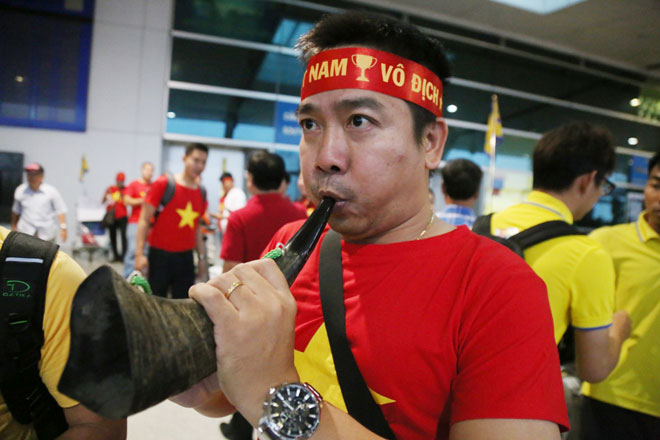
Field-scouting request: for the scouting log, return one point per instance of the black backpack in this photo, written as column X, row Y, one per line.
column 525, row 239
column 168, row 194
column 25, row 263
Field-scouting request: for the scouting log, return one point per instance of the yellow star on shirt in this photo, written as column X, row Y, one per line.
column 188, row 216
column 316, row 366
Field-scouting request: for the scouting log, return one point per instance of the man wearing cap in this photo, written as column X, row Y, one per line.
column 451, row 332
column 38, row 207
column 114, row 200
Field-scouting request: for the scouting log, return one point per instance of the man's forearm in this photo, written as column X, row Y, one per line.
column 141, row 236
column 14, row 220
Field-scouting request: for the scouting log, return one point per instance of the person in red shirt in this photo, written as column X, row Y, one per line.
column 451, row 332
column 175, row 232
column 114, row 199
column 304, row 201
column 134, row 197
column 249, row 230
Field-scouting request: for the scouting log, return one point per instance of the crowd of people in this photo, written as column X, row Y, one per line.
column 445, row 332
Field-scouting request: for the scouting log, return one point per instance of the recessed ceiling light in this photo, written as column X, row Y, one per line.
column 635, row 102
column 633, row 141
column 19, row 79
column 171, row 115
column 451, row 108
column 539, row 6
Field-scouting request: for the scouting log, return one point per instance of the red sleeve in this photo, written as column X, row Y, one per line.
column 156, row 191
column 131, row 189
column 233, row 241
column 508, row 366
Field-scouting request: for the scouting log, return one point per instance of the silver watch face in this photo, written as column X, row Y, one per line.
column 293, row 411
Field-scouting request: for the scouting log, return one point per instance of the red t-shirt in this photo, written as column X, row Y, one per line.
column 137, row 190
column 174, row 231
column 450, row 328
column 250, row 228
column 117, row 202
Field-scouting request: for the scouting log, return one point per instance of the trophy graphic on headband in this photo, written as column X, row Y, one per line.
column 363, row 62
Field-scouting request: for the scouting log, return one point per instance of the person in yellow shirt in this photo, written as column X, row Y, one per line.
column 570, row 165
column 626, row 405
column 63, row 280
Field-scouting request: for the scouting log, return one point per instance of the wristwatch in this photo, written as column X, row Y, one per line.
column 292, row 411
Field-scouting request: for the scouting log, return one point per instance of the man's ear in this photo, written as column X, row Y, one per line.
column 584, row 181
column 435, row 137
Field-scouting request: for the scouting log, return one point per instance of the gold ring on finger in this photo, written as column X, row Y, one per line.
column 235, row 285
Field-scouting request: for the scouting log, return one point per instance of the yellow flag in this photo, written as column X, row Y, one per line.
column 494, row 132
column 83, row 167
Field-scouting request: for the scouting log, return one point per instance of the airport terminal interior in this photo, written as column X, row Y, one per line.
column 92, row 88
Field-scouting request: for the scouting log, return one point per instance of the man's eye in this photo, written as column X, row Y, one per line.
column 358, row 120
column 307, row 124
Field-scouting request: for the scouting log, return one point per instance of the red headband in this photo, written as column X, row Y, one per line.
column 370, row 69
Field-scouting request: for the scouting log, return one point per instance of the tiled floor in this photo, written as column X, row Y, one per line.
column 167, row 420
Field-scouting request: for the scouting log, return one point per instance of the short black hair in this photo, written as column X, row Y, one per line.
column 226, row 175
column 570, row 150
column 267, row 170
column 461, row 179
column 196, row 146
column 655, row 160
column 366, row 29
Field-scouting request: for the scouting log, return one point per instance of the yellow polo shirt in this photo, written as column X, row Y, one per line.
column 577, row 271
column 63, row 280
column 635, row 382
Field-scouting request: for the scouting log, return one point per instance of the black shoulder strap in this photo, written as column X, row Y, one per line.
column 544, row 231
column 359, row 401
column 168, row 194
column 481, row 224
column 25, row 263
column 202, row 189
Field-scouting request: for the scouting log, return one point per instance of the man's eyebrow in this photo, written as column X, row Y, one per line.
column 655, row 176
column 306, row 108
column 352, row 104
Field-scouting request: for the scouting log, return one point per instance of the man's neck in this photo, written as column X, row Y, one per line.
column 653, row 223
column 258, row 192
column 569, row 198
column 186, row 179
column 466, row 203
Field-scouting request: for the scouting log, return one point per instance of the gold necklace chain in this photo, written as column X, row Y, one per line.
column 421, row 235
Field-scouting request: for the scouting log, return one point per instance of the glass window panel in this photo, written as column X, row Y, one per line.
column 220, row 116
column 235, row 67
column 519, row 73
column 48, row 88
column 522, row 114
column 252, row 20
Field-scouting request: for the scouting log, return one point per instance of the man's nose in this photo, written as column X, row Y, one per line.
column 333, row 153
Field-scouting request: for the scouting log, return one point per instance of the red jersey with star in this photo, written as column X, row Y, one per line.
column 450, row 328
column 137, row 190
column 117, row 201
column 174, row 231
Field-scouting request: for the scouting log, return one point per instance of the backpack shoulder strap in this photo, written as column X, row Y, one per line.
column 359, row 401
column 481, row 225
column 544, row 231
column 168, row 194
column 25, row 263
column 202, row 189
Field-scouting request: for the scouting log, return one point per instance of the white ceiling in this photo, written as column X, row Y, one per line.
column 623, row 33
